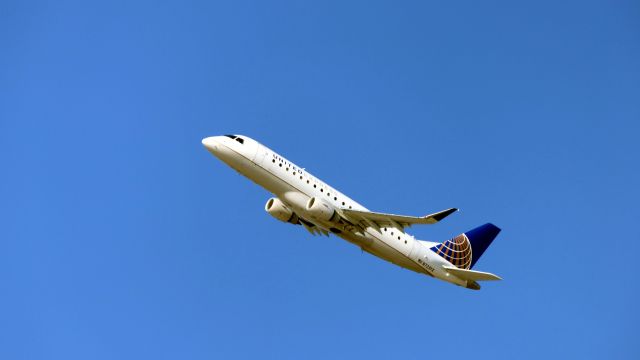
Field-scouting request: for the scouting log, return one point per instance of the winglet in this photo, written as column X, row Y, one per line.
column 435, row 217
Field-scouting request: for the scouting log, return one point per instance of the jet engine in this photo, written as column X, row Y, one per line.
column 280, row 211
column 320, row 210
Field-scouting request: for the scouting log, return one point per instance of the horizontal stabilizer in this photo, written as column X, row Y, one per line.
column 471, row 274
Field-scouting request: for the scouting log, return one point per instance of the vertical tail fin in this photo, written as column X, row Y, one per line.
column 464, row 250
column 480, row 238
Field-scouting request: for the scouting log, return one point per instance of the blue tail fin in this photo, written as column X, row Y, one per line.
column 480, row 238
column 464, row 250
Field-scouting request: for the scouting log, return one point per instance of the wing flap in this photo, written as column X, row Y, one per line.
column 471, row 274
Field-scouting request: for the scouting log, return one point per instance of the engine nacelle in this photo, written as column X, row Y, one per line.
column 280, row 211
column 320, row 210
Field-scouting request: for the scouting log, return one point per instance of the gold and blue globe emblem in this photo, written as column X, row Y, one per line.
column 457, row 251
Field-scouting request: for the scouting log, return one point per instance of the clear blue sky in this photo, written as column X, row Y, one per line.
column 122, row 238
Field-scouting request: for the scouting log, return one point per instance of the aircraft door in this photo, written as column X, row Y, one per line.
column 261, row 154
column 416, row 250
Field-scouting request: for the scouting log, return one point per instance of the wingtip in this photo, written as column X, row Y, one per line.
column 443, row 214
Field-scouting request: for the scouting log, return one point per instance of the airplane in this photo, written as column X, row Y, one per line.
column 302, row 199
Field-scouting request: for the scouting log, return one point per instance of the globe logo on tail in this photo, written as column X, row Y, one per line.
column 457, row 251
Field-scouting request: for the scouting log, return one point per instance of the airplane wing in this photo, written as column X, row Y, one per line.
column 471, row 274
column 380, row 219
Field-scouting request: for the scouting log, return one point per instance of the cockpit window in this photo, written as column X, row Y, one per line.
column 240, row 140
column 231, row 136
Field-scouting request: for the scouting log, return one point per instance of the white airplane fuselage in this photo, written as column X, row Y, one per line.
column 294, row 186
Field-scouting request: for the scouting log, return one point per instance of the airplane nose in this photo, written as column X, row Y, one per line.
column 211, row 143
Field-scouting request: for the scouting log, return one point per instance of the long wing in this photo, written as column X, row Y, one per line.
column 380, row 219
